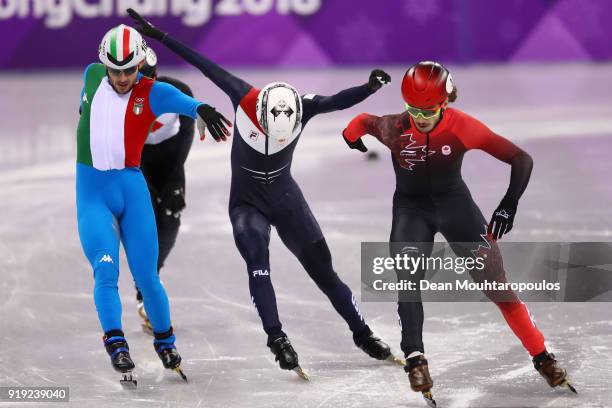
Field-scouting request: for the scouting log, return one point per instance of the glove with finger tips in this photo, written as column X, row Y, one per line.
column 357, row 144
column 503, row 218
column 144, row 27
column 377, row 79
column 209, row 118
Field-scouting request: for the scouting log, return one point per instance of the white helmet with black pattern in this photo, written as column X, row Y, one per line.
column 279, row 110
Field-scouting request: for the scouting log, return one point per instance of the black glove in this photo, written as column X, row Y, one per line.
column 208, row 117
column 378, row 77
column 357, row 144
column 144, row 27
column 503, row 218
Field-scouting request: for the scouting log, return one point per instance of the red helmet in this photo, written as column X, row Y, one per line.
column 426, row 84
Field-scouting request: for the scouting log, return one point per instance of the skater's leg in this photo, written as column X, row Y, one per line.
column 99, row 237
column 172, row 202
column 520, row 321
column 464, row 226
column 316, row 260
column 152, row 173
column 139, row 237
column 172, row 192
column 300, row 232
column 163, row 166
column 412, row 232
column 252, row 236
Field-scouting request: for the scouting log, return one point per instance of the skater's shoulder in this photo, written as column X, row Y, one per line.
column 95, row 69
column 381, row 120
column 458, row 122
column 381, row 123
column 458, row 117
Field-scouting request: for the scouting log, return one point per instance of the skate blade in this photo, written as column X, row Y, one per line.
column 429, row 400
column 180, row 372
column 128, row 381
column 301, row 373
column 396, row 360
column 147, row 329
column 569, row 386
column 142, row 313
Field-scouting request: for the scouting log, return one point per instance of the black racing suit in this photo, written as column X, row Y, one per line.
column 163, row 165
column 431, row 197
column 264, row 193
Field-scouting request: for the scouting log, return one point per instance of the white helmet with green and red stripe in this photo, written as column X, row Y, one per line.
column 122, row 47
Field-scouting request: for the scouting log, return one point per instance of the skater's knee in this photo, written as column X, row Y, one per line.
column 106, row 269
column 316, row 259
column 493, row 265
column 315, row 254
column 171, row 202
column 253, row 245
column 148, row 283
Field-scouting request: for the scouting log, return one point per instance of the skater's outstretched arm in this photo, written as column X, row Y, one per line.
column 233, row 86
column 315, row 104
column 479, row 136
column 165, row 98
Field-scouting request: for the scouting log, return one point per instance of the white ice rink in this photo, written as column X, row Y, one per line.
column 49, row 331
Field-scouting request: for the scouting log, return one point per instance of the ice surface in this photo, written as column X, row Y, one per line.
column 50, row 334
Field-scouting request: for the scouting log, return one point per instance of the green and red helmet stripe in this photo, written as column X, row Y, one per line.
column 113, row 44
column 126, row 43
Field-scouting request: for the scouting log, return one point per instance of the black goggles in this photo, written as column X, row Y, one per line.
column 127, row 71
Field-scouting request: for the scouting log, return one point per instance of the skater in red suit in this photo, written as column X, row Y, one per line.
column 427, row 144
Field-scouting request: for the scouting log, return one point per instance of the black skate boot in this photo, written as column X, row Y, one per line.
column 168, row 353
column 553, row 373
column 417, row 369
column 119, row 352
column 286, row 356
column 375, row 347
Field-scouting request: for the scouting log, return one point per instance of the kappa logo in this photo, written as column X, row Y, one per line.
column 107, row 258
column 85, row 98
column 261, row 272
